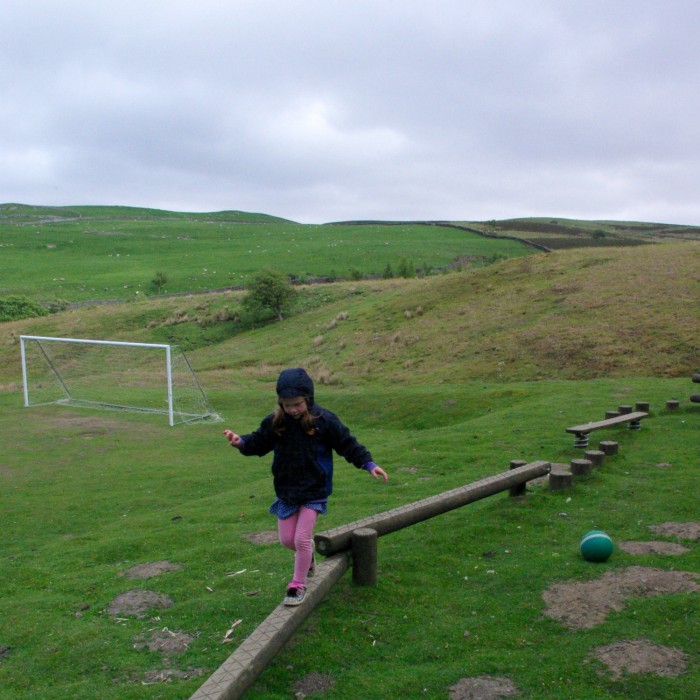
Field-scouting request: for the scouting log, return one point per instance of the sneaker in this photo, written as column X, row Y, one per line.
column 294, row 596
column 312, row 568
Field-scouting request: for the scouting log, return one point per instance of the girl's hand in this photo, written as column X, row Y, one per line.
column 379, row 473
column 234, row 439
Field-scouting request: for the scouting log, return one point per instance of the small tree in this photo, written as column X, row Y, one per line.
column 270, row 290
column 406, row 268
column 159, row 281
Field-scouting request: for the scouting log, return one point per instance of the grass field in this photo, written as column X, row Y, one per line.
column 446, row 379
column 124, row 249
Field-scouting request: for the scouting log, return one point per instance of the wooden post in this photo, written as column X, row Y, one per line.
column 611, row 414
column 608, row 447
column 364, row 556
column 642, row 406
column 695, row 398
column 596, row 457
column 581, row 467
column 518, row 490
column 624, row 409
column 672, row 404
column 560, row 478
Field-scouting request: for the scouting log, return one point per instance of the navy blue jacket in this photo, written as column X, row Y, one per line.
column 302, row 466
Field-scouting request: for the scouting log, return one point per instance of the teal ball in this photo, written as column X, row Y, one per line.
column 596, row 545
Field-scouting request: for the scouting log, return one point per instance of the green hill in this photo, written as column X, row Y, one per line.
column 446, row 377
column 575, row 314
column 104, row 253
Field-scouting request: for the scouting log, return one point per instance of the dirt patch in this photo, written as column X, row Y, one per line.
column 150, row 569
column 483, row 688
column 641, row 656
column 653, row 548
column 168, row 674
column 262, row 537
column 583, row 605
column 86, row 425
column 684, row 531
column 313, row 683
column 164, row 641
column 5, row 652
column 138, row 602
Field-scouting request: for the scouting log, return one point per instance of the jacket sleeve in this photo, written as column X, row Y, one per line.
column 344, row 443
column 259, row 442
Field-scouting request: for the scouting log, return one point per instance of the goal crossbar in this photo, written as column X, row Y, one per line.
column 56, row 378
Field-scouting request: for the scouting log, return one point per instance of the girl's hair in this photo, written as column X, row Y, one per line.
column 307, row 420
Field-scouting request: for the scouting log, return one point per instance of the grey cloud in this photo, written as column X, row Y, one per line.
column 323, row 111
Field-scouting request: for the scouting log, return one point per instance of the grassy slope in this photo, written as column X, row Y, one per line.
column 436, row 376
column 571, row 314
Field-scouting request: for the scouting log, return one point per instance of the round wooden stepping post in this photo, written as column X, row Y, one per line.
column 364, row 556
column 611, row 414
column 581, row 467
column 608, row 447
column 518, row 490
column 642, row 406
column 596, row 457
column 695, row 398
column 560, row 478
column 624, row 409
column 672, row 404
column 696, row 378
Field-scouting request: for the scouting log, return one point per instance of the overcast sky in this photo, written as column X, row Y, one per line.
column 326, row 110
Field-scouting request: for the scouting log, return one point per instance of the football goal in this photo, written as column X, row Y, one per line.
column 143, row 377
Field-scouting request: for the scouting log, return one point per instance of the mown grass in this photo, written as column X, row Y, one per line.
column 446, row 379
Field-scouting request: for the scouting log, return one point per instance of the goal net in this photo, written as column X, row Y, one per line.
column 144, row 377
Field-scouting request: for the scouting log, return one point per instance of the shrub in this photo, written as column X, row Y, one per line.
column 15, row 307
column 270, row 290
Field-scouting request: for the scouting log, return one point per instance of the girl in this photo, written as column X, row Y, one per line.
column 302, row 436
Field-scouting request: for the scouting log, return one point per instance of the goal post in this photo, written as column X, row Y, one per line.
column 112, row 374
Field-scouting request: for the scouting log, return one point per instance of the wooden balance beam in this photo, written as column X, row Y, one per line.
column 581, row 431
column 340, row 538
column 231, row 680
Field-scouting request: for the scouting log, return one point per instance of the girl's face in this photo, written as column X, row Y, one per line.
column 295, row 407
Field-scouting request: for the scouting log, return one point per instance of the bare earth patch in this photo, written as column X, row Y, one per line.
column 168, row 674
column 164, row 641
column 583, row 605
column 641, row 656
column 262, row 537
column 653, row 548
column 483, row 688
column 150, row 569
column 684, row 531
column 138, row 602
column 86, row 425
column 313, row 683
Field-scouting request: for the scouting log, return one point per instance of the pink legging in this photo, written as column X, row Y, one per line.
column 296, row 533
